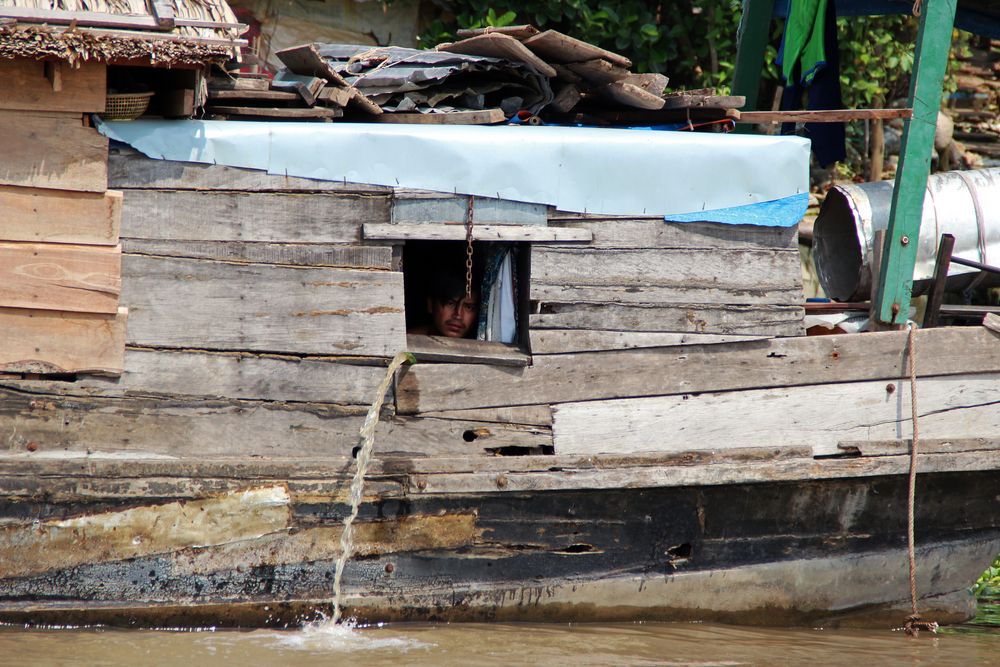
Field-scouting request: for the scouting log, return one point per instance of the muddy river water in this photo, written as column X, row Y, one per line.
column 503, row 644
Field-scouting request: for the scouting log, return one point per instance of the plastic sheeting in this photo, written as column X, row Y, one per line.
column 783, row 212
column 607, row 171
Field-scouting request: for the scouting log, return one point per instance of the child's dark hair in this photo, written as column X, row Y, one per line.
column 447, row 285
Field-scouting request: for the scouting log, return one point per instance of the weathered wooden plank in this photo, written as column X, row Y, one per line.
column 613, row 232
column 187, row 374
column 779, row 362
column 992, row 322
column 425, row 206
column 925, row 446
column 50, row 276
column 243, row 216
column 255, row 95
column 46, row 341
column 128, row 168
column 26, row 87
column 821, row 116
column 631, row 95
column 142, row 531
column 818, row 416
column 369, row 538
column 259, row 307
column 498, row 45
column 556, row 47
column 457, row 232
column 536, row 415
column 561, row 341
column 40, row 424
column 667, row 267
column 460, row 350
column 51, row 150
column 265, row 113
column 60, row 216
column 766, row 320
column 474, row 117
column 295, row 254
column 638, row 293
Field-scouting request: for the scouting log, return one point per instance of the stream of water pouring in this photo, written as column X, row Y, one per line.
column 367, row 441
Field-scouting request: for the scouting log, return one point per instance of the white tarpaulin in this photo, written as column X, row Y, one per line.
column 610, row 171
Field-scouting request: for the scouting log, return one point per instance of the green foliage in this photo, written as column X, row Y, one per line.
column 989, row 580
column 692, row 41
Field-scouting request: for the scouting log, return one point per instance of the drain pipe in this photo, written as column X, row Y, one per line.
column 965, row 204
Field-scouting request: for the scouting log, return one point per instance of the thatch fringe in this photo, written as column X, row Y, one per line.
column 79, row 45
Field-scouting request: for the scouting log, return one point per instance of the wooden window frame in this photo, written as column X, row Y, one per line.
column 443, row 349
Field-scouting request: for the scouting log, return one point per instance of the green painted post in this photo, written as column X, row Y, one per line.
column 900, row 255
column 755, row 27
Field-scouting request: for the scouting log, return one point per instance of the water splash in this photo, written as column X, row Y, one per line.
column 324, row 636
column 367, row 442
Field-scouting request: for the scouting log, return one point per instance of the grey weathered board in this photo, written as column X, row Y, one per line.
column 212, row 305
column 130, row 169
column 561, row 341
column 250, row 216
column 680, row 318
column 666, row 275
column 425, row 206
column 296, row 254
column 52, row 150
column 817, row 416
column 653, row 232
column 202, row 429
column 693, row 293
column 778, row 362
column 185, row 374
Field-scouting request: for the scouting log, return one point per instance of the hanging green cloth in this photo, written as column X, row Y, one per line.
column 803, row 41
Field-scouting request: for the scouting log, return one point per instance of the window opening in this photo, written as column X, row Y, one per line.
column 434, row 279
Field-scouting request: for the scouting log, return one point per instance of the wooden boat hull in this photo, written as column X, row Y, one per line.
column 249, row 552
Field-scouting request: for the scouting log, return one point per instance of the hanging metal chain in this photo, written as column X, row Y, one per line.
column 469, row 221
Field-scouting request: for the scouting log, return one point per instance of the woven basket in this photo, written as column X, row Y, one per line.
column 126, row 106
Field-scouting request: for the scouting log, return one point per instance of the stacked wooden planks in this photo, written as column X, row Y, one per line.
column 259, row 325
column 641, row 278
column 60, row 262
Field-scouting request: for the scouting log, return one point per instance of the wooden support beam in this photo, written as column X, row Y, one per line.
column 754, row 31
column 824, row 116
column 934, row 299
column 929, row 62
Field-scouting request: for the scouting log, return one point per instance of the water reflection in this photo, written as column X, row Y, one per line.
column 505, row 644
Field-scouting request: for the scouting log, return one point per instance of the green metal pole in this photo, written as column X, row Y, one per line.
column 755, row 26
column 929, row 62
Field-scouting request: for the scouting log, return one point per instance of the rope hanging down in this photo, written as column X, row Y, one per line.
column 914, row 623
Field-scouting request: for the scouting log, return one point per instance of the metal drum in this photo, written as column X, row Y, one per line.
column 963, row 203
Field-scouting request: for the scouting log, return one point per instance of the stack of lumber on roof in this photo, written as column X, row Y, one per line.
column 487, row 77
column 60, row 262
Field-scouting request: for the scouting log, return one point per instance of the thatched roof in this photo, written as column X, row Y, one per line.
column 161, row 31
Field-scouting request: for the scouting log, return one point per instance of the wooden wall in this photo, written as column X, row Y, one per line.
column 260, row 321
column 60, row 262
